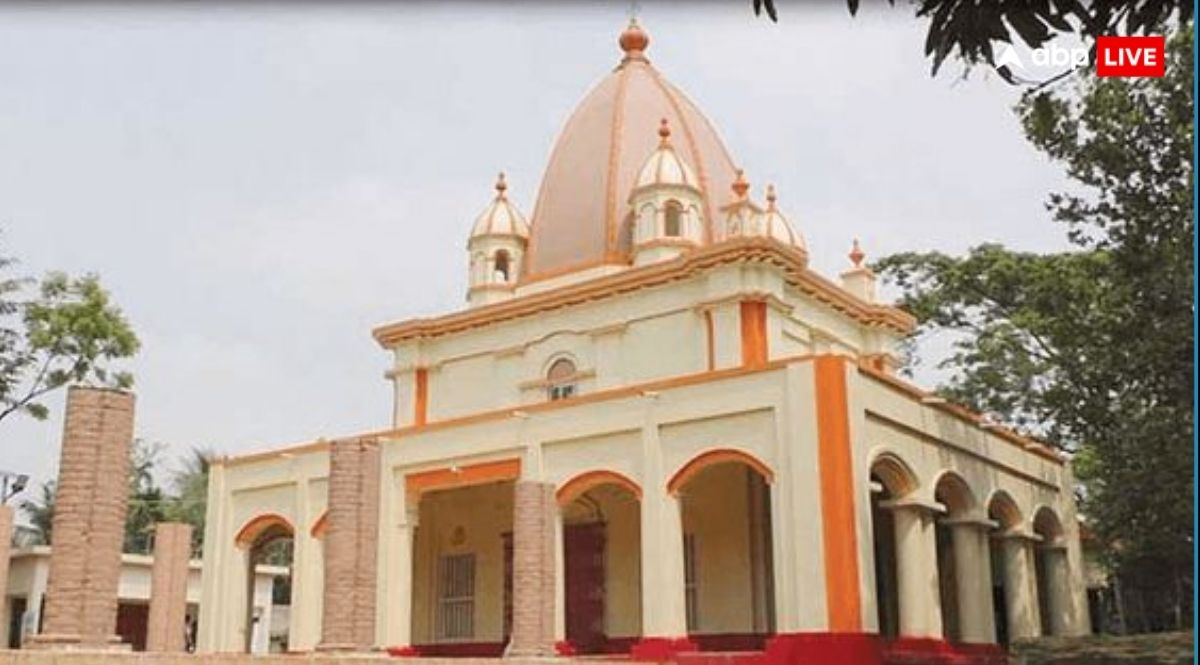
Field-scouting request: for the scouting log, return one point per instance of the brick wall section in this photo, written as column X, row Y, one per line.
column 89, row 518
column 6, row 523
column 168, row 587
column 351, row 538
column 533, row 570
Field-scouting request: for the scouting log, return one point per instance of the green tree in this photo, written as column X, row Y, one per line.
column 191, row 495
column 1091, row 348
column 40, row 512
column 970, row 29
column 67, row 333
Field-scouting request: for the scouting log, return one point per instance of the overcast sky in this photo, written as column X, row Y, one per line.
column 259, row 186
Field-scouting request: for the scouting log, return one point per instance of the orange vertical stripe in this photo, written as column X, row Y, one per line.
column 710, row 339
column 754, row 332
column 421, row 396
column 837, row 495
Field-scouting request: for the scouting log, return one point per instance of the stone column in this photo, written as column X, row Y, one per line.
column 89, row 519
column 1058, row 602
column 348, row 613
column 1020, row 596
column 400, row 630
column 168, row 587
column 560, row 580
column 533, row 570
column 916, row 574
column 972, row 562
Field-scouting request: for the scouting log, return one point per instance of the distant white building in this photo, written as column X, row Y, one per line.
column 30, row 568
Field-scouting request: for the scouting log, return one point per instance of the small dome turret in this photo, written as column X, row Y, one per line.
column 665, row 167
column 497, row 248
column 666, row 204
column 741, row 216
column 500, row 217
column 775, row 225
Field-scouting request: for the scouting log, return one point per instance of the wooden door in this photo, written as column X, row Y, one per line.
column 583, row 560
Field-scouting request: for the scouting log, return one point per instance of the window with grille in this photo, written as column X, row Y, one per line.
column 561, row 379
column 456, row 597
column 691, row 599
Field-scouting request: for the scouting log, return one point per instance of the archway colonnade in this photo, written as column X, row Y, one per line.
column 695, row 558
column 962, row 569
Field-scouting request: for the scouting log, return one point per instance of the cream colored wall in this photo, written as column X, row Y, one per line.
column 620, row 339
column 715, row 511
column 291, row 486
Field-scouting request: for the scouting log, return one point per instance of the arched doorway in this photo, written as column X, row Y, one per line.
column 1050, row 569
column 269, row 542
column 729, row 582
column 601, row 541
column 1006, row 594
column 891, row 480
column 961, row 543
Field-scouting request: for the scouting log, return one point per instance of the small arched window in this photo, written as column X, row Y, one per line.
column 673, row 219
column 500, row 268
column 561, row 379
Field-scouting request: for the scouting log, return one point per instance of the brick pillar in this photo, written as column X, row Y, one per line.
column 6, row 523
column 533, row 570
column 89, row 519
column 168, row 587
column 348, row 621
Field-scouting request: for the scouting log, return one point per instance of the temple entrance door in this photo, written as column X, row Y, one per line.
column 583, row 562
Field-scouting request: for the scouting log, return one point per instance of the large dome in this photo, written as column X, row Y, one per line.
column 581, row 218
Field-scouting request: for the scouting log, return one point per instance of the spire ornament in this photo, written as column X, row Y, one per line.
column 856, row 254
column 740, row 185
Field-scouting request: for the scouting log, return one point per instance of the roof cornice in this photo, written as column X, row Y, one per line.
column 751, row 250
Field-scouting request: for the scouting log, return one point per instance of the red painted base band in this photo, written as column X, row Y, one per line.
column 660, row 649
column 857, row 648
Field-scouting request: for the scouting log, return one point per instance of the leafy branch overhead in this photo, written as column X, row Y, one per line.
column 68, row 332
column 1092, row 347
column 968, row 29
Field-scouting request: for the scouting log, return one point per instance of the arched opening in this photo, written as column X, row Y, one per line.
column 891, row 480
column 462, row 593
column 560, row 379
column 729, row 583
column 501, row 266
column 1003, row 511
column 601, row 545
column 673, row 219
column 953, row 494
column 269, row 542
column 1049, row 564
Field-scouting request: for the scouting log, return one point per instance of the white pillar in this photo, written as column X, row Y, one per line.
column 1058, row 602
column 560, row 584
column 973, row 567
column 1020, row 593
column 916, row 563
column 397, row 632
column 664, row 610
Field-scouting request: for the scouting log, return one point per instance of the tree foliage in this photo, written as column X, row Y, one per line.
column 1092, row 347
column 67, row 332
column 969, row 29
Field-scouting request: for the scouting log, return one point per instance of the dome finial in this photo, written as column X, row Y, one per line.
column 634, row 40
column 740, row 185
column 664, row 131
column 856, row 254
column 771, row 197
column 501, row 185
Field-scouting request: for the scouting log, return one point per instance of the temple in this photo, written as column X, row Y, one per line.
column 655, row 430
